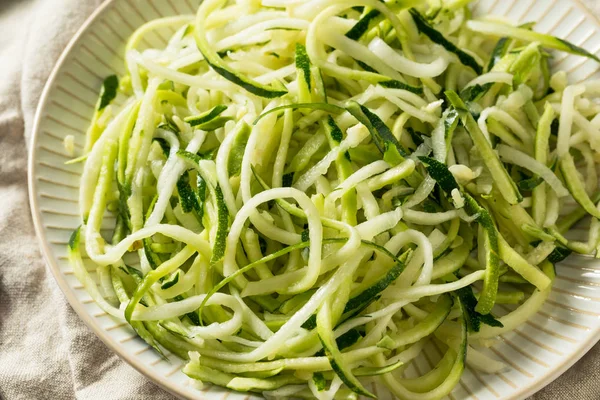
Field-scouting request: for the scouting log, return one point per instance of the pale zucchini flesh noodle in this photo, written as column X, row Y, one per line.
column 308, row 194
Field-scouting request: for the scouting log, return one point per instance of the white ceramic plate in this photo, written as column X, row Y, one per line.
column 537, row 352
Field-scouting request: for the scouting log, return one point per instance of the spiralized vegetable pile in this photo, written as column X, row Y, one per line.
column 309, row 193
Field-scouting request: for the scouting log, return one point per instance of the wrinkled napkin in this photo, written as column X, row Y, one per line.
column 46, row 352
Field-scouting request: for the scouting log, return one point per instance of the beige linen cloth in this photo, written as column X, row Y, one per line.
column 46, row 352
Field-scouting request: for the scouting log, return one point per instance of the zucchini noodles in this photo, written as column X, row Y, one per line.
column 308, row 194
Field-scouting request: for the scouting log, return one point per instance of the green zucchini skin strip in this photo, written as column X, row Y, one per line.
column 392, row 84
column 217, row 63
column 530, row 184
column 576, row 215
column 157, row 333
column 348, row 339
column 137, row 326
column 325, row 331
column 474, row 319
column 151, row 278
column 152, row 257
column 234, row 165
column 169, row 341
column 454, row 260
column 367, row 371
column 446, row 180
column 171, row 282
column 358, row 303
column 523, row 66
column 542, row 136
column 439, row 171
column 303, row 64
column 436, row 37
column 361, row 301
column 320, row 381
column 187, row 197
column 381, row 134
column 559, row 254
column 475, row 92
column 108, row 92
column 222, row 227
column 502, row 179
column 330, row 108
column 499, row 29
column 576, row 188
column 371, row 371
column 123, row 181
column 359, row 29
column 334, row 131
column 433, row 378
column 163, row 145
column 201, row 196
column 344, row 341
column 487, row 297
column 206, row 116
column 499, row 51
column 344, row 169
